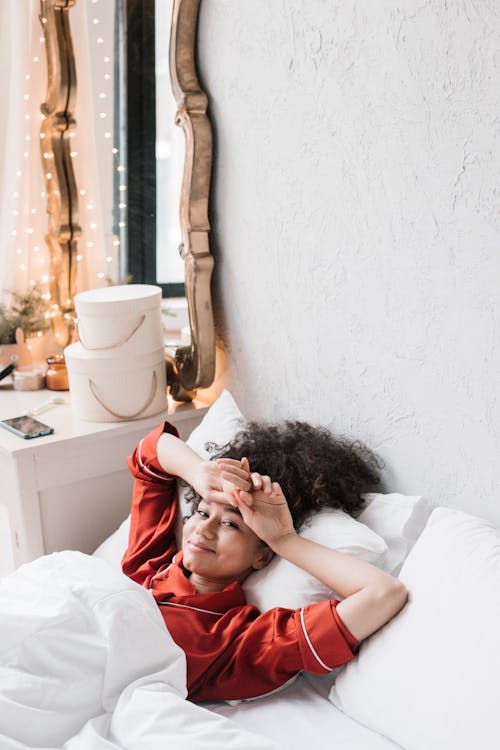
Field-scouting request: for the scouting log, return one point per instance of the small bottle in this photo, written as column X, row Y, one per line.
column 56, row 377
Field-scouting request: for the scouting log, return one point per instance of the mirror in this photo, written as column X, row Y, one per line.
column 194, row 365
column 169, row 152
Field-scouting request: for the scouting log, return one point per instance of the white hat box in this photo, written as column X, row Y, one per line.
column 117, row 389
column 122, row 319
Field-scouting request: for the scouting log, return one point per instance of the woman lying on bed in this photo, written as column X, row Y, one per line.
column 249, row 502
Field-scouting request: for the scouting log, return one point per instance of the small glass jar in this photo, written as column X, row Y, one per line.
column 28, row 378
column 56, row 377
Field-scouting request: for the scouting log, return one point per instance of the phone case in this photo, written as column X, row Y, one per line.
column 38, row 429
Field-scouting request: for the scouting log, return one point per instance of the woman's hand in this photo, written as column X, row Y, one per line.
column 265, row 509
column 216, row 481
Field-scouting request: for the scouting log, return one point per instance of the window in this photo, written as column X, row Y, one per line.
column 155, row 151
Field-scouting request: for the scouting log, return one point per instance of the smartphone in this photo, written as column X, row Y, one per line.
column 26, row 427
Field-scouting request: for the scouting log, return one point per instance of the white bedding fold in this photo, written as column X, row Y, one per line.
column 87, row 662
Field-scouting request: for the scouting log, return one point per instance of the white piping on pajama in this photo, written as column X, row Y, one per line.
column 149, row 471
column 313, row 650
column 187, row 606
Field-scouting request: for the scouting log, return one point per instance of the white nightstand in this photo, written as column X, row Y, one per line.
column 69, row 490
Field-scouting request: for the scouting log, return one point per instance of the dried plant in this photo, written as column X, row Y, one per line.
column 27, row 311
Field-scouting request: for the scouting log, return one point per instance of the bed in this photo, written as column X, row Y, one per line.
column 426, row 681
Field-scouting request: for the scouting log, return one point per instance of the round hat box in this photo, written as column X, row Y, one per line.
column 118, row 389
column 122, row 319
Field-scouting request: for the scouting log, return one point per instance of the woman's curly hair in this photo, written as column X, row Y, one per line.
column 314, row 468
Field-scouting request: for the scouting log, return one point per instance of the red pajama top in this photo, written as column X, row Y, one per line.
column 232, row 650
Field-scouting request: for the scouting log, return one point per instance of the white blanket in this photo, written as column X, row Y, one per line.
column 86, row 663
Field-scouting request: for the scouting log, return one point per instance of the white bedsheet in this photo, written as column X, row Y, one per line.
column 86, row 663
column 301, row 718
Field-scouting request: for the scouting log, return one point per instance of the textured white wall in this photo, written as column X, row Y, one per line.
column 356, row 226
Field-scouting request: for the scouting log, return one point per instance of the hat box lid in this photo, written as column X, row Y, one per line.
column 117, row 300
column 79, row 359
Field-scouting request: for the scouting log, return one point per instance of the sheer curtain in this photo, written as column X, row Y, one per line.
column 23, row 254
column 97, row 159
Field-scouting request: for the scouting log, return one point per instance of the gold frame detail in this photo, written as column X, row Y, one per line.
column 55, row 143
column 194, row 365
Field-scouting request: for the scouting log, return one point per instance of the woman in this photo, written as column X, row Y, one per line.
column 241, row 519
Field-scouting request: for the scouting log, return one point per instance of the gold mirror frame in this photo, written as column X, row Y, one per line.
column 194, row 365
column 57, row 128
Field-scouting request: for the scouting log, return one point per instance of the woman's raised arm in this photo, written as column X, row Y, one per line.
column 371, row 596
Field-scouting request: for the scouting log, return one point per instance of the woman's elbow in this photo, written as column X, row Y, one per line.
column 396, row 595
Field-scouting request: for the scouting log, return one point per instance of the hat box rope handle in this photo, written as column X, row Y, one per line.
column 111, row 346
column 154, row 383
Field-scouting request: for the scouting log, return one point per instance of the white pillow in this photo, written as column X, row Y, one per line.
column 113, row 548
column 429, row 679
column 282, row 584
column 399, row 519
column 220, row 423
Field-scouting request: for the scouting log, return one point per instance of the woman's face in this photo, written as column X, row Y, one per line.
column 219, row 547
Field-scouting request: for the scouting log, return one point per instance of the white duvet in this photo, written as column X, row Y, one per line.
column 86, row 663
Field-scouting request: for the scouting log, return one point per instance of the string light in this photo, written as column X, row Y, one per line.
column 25, row 214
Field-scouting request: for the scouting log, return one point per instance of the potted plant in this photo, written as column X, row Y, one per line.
column 22, row 323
